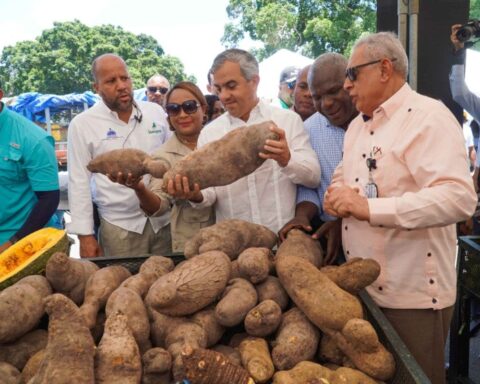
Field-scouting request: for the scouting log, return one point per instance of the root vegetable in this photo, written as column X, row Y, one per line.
column 98, row 289
column 230, row 236
column 329, row 352
column 191, row 286
column 354, row 275
column 320, row 299
column 20, row 351
column 9, row 374
column 22, row 306
column 299, row 244
column 272, row 289
column 32, row 367
column 231, row 353
column 70, row 349
column 214, row 330
column 204, row 366
column 69, row 276
column 130, row 303
column 297, row 340
column 226, row 160
column 128, row 160
column 238, row 299
column 256, row 359
column 255, row 264
column 157, row 363
column 263, row 319
column 117, row 360
column 150, row 271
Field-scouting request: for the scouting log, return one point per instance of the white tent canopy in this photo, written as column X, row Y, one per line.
column 271, row 67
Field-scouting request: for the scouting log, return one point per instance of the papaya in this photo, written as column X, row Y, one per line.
column 30, row 255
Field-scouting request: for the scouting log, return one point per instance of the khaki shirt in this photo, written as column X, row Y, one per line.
column 185, row 220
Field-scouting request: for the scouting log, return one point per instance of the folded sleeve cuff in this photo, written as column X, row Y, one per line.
column 382, row 211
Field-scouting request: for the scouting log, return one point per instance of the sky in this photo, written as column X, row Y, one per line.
column 188, row 29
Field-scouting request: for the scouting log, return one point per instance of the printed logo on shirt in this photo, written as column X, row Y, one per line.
column 112, row 135
column 154, row 129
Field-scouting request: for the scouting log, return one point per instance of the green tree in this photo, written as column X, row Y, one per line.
column 309, row 26
column 59, row 60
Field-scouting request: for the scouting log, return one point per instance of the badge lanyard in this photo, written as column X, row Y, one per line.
column 371, row 189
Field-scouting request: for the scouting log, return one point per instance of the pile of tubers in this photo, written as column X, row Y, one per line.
column 234, row 313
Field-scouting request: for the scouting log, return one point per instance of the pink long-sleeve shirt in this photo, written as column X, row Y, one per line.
column 424, row 188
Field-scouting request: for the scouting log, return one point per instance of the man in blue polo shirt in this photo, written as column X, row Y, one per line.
column 28, row 177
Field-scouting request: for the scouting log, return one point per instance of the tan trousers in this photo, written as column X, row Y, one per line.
column 424, row 332
column 118, row 242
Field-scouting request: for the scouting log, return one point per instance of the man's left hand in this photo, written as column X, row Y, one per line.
column 345, row 202
column 277, row 149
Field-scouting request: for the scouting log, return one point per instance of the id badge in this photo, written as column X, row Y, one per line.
column 371, row 190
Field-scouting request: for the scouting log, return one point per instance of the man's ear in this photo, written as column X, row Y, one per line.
column 95, row 87
column 387, row 69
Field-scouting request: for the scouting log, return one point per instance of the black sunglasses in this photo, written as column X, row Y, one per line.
column 291, row 84
column 189, row 107
column 352, row 72
column 162, row 90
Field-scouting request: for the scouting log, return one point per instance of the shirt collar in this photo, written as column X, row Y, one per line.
column 258, row 110
column 391, row 105
column 114, row 114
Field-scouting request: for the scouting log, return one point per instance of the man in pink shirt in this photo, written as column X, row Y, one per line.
column 401, row 187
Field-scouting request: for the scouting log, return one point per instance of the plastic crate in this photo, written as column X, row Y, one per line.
column 407, row 369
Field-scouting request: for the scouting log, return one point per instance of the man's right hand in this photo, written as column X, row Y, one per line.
column 457, row 44
column 89, row 246
column 300, row 222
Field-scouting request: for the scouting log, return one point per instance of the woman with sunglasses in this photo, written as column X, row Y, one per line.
column 186, row 107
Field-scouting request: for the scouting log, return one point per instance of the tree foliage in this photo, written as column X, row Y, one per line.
column 309, row 26
column 59, row 60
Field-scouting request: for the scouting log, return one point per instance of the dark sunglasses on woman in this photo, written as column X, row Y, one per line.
column 189, row 107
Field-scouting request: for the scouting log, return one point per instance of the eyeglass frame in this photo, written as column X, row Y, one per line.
column 162, row 90
column 352, row 72
column 181, row 107
column 291, row 84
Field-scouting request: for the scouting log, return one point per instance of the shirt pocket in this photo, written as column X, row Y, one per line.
column 10, row 167
column 192, row 215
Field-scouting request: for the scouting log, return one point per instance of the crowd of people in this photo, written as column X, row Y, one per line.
column 362, row 162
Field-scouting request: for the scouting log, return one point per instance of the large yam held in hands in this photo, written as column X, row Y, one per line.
column 322, row 301
column 128, row 160
column 226, row 160
column 191, row 286
column 230, row 236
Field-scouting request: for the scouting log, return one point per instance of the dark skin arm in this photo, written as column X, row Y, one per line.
column 305, row 211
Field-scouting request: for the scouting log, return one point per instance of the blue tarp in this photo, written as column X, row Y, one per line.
column 32, row 105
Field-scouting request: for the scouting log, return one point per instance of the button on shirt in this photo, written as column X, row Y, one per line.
column 266, row 196
column 97, row 131
column 424, row 187
column 327, row 142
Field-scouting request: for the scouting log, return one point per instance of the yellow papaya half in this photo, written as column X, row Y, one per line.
column 30, row 255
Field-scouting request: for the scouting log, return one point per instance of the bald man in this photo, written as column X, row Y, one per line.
column 157, row 88
column 115, row 122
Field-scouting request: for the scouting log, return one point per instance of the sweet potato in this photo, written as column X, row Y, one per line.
column 22, row 306
column 255, row 264
column 320, row 299
column 117, row 359
column 299, row 244
column 238, row 299
column 130, row 303
column 191, row 286
column 226, row 160
column 230, row 236
column 128, row 160
column 150, row 270
column 272, row 289
column 256, row 359
column 307, row 372
column 70, row 349
column 69, row 276
column 204, row 366
column 18, row 352
column 263, row 319
column 98, row 289
column 9, row 374
column 354, row 275
column 297, row 340
column 359, row 341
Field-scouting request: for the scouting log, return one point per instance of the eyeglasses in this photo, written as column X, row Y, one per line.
column 291, row 84
column 189, row 107
column 352, row 72
column 162, row 90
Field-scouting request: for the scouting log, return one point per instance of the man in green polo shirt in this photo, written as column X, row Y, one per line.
column 29, row 189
